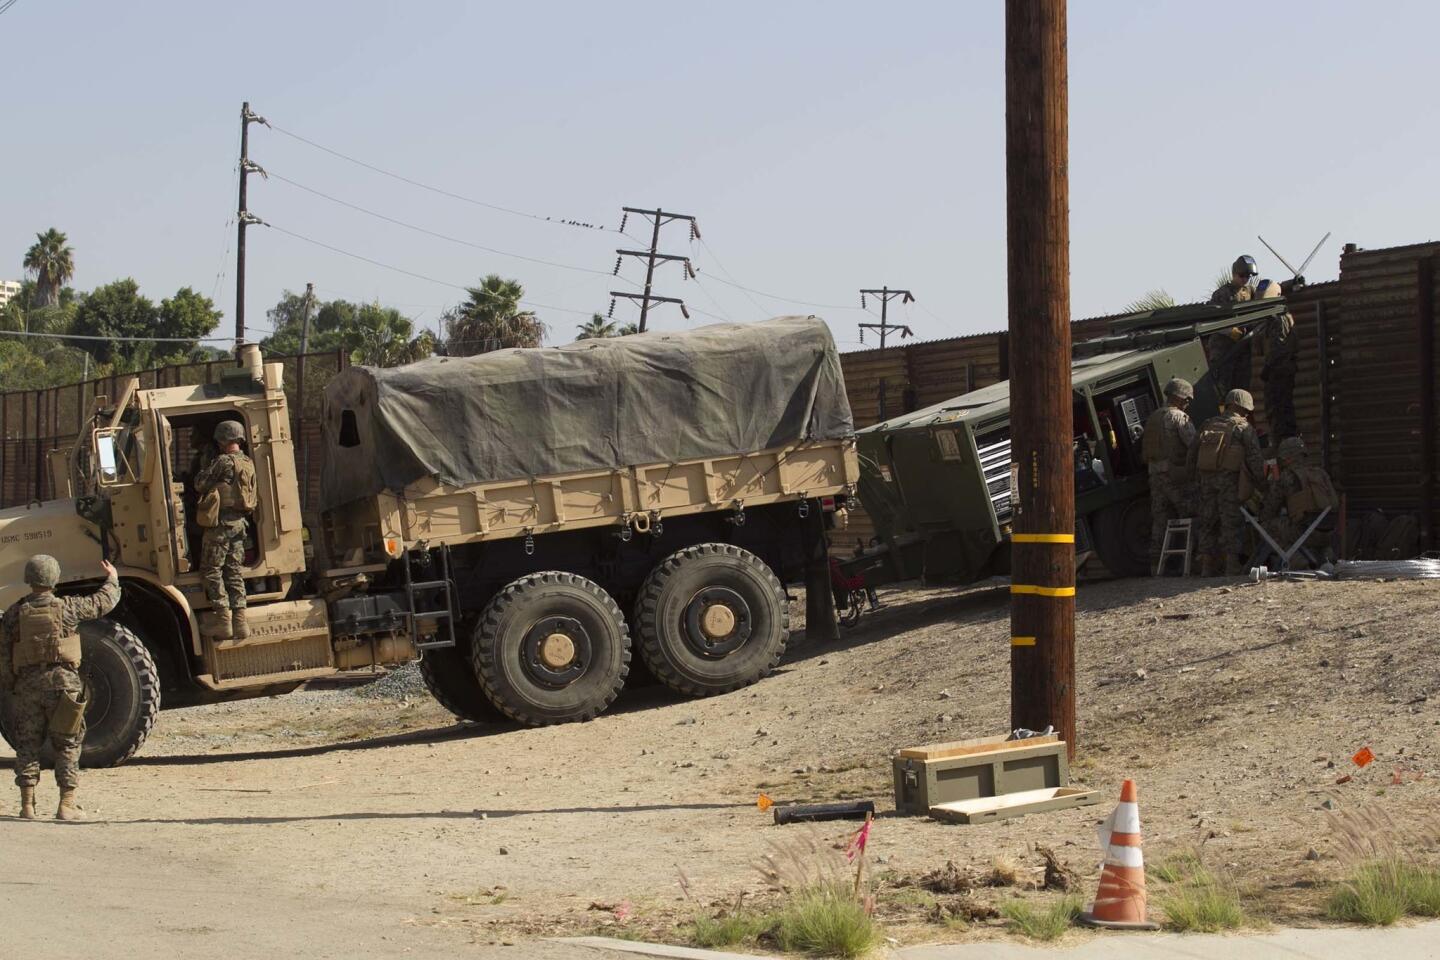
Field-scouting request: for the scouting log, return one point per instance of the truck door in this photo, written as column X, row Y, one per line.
column 169, row 507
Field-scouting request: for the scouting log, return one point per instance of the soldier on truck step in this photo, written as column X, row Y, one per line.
column 1169, row 434
column 40, row 672
column 227, row 499
column 1228, row 353
column 1226, row 459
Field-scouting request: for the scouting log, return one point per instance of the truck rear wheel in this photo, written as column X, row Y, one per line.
column 449, row 675
column 711, row 618
column 551, row 647
column 124, row 690
column 1122, row 537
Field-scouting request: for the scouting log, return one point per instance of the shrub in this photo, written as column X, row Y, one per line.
column 1037, row 923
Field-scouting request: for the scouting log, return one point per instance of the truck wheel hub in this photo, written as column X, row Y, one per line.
column 717, row 622
column 556, row 651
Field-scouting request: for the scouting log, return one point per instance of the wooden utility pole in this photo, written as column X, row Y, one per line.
column 884, row 326
column 652, row 257
column 1042, row 601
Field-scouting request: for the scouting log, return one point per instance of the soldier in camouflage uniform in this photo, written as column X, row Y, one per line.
column 1226, row 459
column 1168, row 436
column 1229, row 354
column 1277, row 344
column 1298, row 496
column 230, row 478
column 39, row 671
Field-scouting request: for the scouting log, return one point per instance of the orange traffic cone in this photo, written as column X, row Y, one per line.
column 1120, row 901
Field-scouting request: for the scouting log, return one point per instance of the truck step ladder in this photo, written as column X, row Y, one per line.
column 445, row 588
column 1177, row 532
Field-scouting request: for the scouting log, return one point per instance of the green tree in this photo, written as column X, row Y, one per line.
column 188, row 314
column 491, row 319
column 118, row 310
column 52, row 262
column 626, row 329
column 596, row 328
column 383, row 337
column 327, row 323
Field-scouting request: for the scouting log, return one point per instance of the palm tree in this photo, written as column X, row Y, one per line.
column 492, row 319
column 52, row 262
column 596, row 328
column 381, row 337
column 1153, row 300
column 626, row 329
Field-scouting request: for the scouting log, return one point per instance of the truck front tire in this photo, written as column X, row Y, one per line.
column 711, row 618
column 123, row 686
column 551, row 647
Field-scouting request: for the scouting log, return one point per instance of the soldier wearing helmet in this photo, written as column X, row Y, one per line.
column 227, row 499
column 1169, row 434
column 1228, row 351
column 1299, row 495
column 1277, row 346
column 39, row 672
column 1228, row 467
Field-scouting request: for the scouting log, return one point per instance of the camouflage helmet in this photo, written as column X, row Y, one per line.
column 42, row 570
column 1291, row 448
column 227, row 431
column 1241, row 399
column 1180, row 388
column 1244, row 266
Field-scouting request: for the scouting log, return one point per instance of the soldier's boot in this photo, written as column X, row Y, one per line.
column 68, row 809
column 222, row 629
column 27, row 803
column 238, row 627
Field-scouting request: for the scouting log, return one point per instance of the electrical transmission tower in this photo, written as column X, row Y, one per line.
column 652, row 256
column 884, row 326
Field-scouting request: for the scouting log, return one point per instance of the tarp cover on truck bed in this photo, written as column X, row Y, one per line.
column 592, row 404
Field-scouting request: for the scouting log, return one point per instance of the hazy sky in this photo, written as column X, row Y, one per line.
column 824, row 147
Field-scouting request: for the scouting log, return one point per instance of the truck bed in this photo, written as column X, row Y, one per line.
column 634, row 497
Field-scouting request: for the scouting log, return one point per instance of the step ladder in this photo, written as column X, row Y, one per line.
column 1175, row 544
column 439, row 593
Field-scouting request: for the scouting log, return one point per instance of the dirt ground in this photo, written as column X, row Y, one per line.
column 380, row 823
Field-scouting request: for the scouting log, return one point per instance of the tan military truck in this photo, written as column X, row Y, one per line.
column 520, row 521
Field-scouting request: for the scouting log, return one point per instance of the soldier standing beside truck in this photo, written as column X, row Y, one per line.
column 39, row 669
column 1169, row 434
column 1226, row 459
column 227, row 499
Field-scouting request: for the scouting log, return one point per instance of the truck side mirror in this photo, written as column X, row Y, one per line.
column 114, row 468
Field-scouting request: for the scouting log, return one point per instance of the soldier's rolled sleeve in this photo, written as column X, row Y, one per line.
column 94, row 606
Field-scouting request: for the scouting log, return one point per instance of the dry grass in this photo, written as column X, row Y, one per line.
column 734, row 929
column 1381, row 892
column 1042, row 923
column 1196, row 899
column 826, row 921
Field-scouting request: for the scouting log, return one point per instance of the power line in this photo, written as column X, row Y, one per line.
column 7, row 5
column 732, row 283
column 433, row 233
column 433, row 189
column 83, row 336
column 408, row 273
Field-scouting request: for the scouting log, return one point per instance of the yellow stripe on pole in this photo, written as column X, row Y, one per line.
column 1034, row 590
column 1042, row 537
column 1022, row 641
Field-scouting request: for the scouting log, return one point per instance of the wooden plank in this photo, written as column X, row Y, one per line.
column 966, row 748
column 988, row 809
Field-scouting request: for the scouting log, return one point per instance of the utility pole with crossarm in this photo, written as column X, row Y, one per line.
column 651, row 257
column 884, row 326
